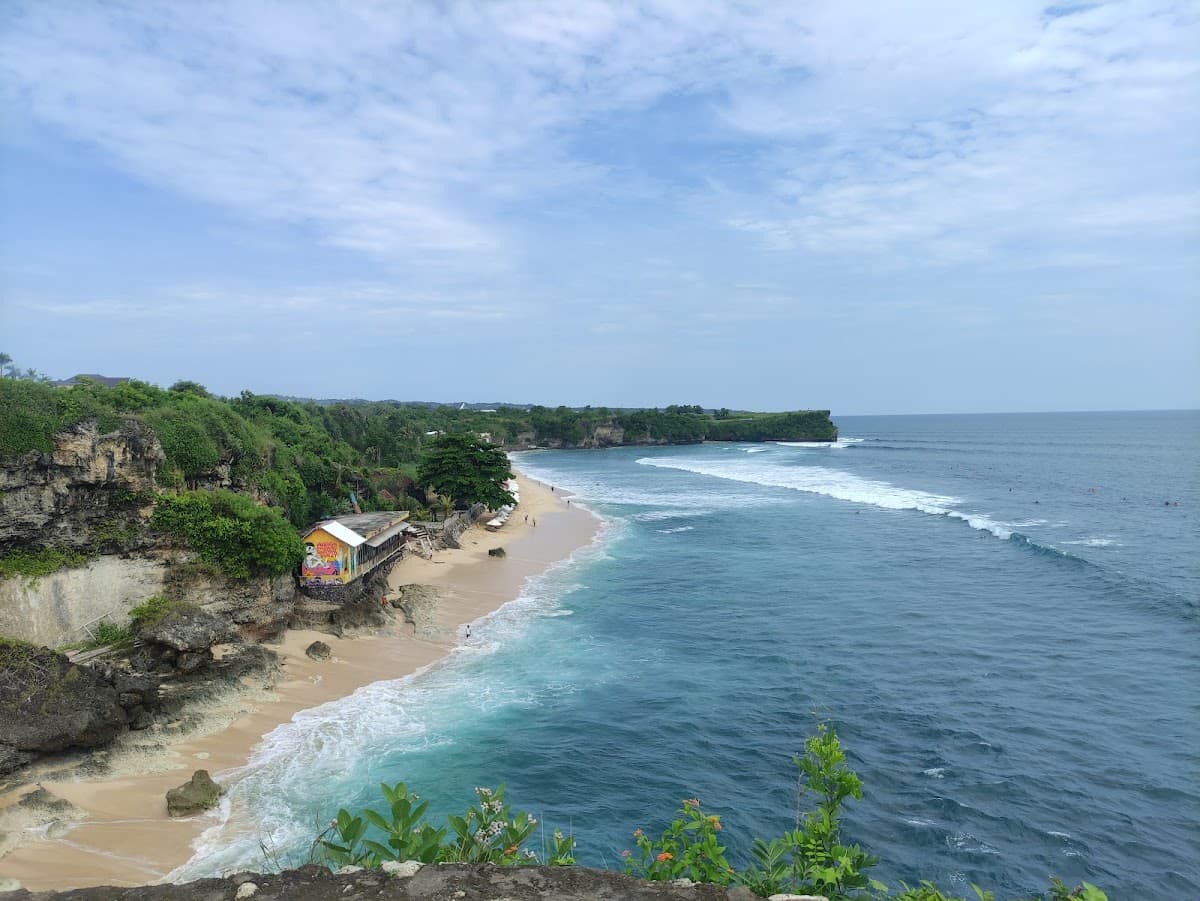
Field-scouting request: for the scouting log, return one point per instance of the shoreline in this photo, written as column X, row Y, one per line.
column 124, row 836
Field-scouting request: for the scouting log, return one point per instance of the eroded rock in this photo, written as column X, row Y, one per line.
column 49, row 704
column 190, row 629
column 429, row 883
column 318, row 650
column 196, row 795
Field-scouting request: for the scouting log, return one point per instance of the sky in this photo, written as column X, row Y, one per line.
column 868, row 207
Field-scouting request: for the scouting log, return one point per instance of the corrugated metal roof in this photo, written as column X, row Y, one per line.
column 377, row 540
column 341, row 533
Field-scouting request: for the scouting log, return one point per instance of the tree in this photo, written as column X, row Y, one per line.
column 466, row 468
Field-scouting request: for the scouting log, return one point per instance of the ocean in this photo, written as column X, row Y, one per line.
column 998, row 613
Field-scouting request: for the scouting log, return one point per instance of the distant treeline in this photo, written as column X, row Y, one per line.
column 305, row 457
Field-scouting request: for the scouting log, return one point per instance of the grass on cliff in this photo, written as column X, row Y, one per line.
column 32, row 565
column 154, row 610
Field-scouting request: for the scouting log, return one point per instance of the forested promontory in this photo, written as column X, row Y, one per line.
column 304, row 457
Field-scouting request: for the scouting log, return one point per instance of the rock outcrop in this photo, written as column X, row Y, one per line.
column 49, row 704
column 318, row 650
column 189, row 629
column 419, row 603
column 429, row 883
column 196, row 795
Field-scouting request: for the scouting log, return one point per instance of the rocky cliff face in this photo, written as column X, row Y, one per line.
column 58, row 608
column 418, row 883
column 91, row 488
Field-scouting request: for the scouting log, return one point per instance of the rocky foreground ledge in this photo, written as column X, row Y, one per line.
column 445, row 882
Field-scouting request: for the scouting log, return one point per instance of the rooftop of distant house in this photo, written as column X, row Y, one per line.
column 108, row 381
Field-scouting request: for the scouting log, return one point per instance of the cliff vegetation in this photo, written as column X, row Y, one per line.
column 304, row 458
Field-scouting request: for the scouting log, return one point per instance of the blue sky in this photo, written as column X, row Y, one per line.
column 876, row 207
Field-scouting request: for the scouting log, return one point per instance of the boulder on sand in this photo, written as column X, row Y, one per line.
column 318, row 650
column 197, row 794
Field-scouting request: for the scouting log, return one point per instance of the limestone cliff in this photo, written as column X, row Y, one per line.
column 91, row 489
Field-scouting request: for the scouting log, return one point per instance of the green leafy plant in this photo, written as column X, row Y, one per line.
column 407, row 835
column 687, row 848
column 811, row 858
column 1083, row 892
column 927, row 891
column 488, row 832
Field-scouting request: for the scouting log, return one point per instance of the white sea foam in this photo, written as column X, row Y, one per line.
column 840, row 444
column 935, row 772
column 676, row 529
column 1096, row 542
column 834, row 483
column 754, row 450
column 660, row 515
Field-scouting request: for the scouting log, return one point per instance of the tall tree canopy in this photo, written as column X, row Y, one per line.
column 466, row 468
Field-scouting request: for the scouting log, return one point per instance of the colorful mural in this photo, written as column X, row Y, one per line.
column 324, row 560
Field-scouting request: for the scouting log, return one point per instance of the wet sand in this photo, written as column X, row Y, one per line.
column 125, row 836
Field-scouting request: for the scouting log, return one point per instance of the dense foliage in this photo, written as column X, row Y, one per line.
column 305, row 458
column 810, row 860
column 231, row 531
column 468, row 470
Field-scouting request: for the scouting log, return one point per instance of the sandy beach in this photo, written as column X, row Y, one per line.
column 122, row 834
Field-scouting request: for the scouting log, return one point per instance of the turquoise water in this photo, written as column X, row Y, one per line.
column 998, row 613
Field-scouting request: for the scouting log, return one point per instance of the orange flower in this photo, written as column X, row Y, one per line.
column 664, row 857
column 637, row 833
column 511, row 849
column 716, row 821
column 692, row 802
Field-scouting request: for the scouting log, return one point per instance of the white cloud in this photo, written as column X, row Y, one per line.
column 421, row 134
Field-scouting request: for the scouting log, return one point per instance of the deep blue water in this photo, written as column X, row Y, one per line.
column 1000, row 614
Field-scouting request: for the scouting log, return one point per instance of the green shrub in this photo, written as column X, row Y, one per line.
column 231, row 531
column 488, row 832
column 151, row 611
column 811, row 858
column 687, row 849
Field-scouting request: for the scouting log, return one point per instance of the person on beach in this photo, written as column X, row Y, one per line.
column 535, row 522
column 468, row 631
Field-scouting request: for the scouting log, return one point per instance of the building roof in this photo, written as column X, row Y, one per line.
column 108, row 381
column 373, row 528
column 341, row 533
column 370, row 523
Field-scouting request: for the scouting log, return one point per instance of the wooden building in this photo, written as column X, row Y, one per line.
column 338, row 551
